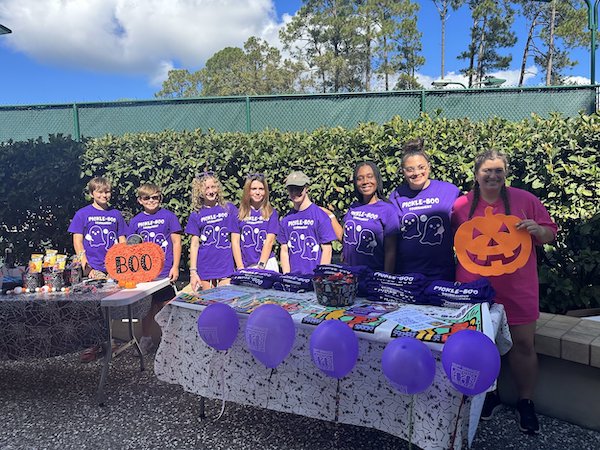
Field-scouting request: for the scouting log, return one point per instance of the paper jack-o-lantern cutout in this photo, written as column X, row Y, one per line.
column 491, row 245
column 132, row 264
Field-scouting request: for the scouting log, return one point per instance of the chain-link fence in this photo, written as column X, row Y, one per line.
column 288, row 112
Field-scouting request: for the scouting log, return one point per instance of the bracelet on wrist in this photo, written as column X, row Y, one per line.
column 261, row 265
column 193, row 269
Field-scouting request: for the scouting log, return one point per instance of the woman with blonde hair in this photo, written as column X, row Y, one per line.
column 256, row 226
column 211, row 224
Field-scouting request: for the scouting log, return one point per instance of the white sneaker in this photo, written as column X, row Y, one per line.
column 146, row 345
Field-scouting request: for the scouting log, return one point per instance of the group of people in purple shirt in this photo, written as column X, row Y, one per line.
column 412, row 231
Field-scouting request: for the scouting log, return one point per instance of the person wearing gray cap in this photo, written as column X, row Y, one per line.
column 305, row 233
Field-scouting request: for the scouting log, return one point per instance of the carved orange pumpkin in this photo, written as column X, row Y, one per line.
column 492, row 245
column 137, row 263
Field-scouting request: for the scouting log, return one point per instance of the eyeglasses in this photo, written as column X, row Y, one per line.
column 255, row 176
column 206, row 173
column 419, row 168
column 156, row 197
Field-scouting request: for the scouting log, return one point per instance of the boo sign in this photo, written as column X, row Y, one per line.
column 136, row 263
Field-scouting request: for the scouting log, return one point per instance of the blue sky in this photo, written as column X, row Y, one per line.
column 68, row 51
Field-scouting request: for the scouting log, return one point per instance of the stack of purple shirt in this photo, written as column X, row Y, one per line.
column 294, row 282
column 261, row 278
column 440, row 292
column 332, row 269
column 386, row 287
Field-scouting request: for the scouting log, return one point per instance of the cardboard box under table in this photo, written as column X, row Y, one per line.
column 297, row 386
column 48, row 324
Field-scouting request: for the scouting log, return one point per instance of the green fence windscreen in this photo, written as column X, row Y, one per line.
column 288, row 112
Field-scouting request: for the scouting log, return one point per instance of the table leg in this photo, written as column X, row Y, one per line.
column 202, row 412
column 133, row 340
column 101, row 396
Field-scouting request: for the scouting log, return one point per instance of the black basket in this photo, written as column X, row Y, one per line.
column 335, row 292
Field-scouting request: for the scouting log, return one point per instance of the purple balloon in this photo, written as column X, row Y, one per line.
column 218, row 326
column 408, row 365
column 471, row 361
column 270, row 334
column 334, row 348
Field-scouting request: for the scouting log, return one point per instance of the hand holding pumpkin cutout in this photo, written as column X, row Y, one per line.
column 480, row 238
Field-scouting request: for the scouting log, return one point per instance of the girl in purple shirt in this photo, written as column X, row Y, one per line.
column 211, row 224
column 371, row 224
column 257, row 225
column 424, row 208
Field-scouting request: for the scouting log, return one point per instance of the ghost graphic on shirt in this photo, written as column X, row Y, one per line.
column 410, row 226
column 433, row 232
column 350, row 232
column 208, row 235
column 311, row 249
column 111, row 238
column 222, row 237
column 247, row 236
column 161, row 240
column 96, row 236
column 145, row 235
column 366, row 242
column 294, row 244
column 261, row 237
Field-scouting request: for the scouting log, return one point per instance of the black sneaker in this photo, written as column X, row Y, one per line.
column 490, row 406
column 528, row 421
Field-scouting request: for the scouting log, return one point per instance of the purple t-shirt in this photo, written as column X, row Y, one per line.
column 425, row 239
column 253, row 232
column 101, row 229
column 365, row 227
column 214, row 226
column 157, row 228
column 303, row 232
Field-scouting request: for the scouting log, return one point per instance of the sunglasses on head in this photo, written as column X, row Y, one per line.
column 255, row 176
column 206, row 173
column 151, row 197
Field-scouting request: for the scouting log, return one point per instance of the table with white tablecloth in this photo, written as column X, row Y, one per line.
column 364, row 397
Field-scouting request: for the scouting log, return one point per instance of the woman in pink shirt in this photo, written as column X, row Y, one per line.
column 517, row 291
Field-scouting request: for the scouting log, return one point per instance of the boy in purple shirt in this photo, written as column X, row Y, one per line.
column 96, row 228
column 160, row 226
column 305, row 233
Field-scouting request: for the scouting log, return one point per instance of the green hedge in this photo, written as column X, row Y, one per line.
column 555, row 158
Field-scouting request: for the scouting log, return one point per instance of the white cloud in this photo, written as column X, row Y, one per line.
column 161, row 73
column 577, row 80
column 127, row 36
